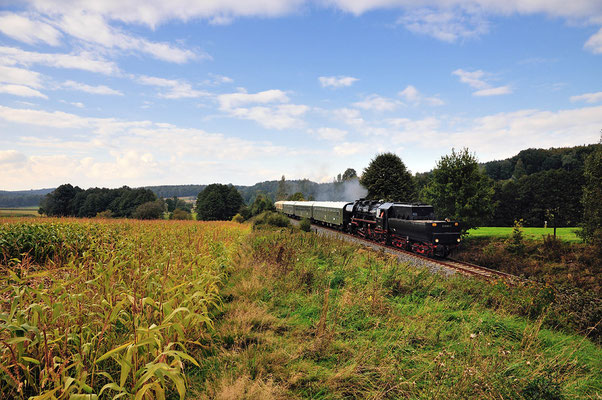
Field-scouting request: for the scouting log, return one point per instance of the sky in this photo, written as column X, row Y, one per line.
column 153, row 92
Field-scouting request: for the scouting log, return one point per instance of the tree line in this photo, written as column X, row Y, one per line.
column 72, row 201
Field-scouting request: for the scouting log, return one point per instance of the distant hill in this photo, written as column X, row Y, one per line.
column 23, row 198
column 532, row 161
column 332, row 191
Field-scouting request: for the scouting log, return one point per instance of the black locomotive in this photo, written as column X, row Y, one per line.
column 407, row 226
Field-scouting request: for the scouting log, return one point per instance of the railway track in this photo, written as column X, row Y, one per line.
column 448, row 264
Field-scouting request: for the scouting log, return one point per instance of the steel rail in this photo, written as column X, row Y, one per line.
column 456, row 265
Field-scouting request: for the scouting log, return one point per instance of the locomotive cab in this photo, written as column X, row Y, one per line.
column 416, row 227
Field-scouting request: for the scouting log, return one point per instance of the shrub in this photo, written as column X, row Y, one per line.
column 271, row 218
column 149, row 210
column 238, row 218
column 105, row 214
column 180, row 214
column 515, row 243
column 305, row 225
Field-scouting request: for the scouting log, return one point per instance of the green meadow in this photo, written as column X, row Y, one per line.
column 566, row 234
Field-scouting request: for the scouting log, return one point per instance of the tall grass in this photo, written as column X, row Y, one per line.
column 111, row 308
column 310, row 317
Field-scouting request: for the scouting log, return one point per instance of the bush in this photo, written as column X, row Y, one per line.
column 238, row 218
column 149, row 210
column 515, row 243
column 305, row 225
column 180, row 214
column 105, row 214
column 271, row 218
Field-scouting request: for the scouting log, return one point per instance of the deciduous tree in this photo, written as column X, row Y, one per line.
column 387, row 178
column 460, row 191
column 218, row 202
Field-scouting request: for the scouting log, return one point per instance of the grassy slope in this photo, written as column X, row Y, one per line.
column 566, row 234
column 308, row 317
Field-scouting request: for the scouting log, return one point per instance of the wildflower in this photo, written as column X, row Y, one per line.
column 472, row 335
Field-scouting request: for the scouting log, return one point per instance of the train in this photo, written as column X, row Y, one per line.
column 407, row 226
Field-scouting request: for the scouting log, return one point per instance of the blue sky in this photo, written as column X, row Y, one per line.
column 148, row 92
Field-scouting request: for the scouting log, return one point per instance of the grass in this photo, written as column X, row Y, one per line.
column 19, row 212
column 310, row 317
column 566, row 234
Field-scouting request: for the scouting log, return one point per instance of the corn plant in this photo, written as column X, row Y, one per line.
column 93, row 309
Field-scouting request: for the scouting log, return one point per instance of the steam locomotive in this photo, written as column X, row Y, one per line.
column 410, row 227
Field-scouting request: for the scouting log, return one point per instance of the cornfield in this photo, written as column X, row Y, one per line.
column 110, row 309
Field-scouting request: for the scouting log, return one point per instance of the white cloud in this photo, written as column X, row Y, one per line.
column 377, row 103
column 527, row 128
column 588, row 97
column 269, row 115
column 83, row 61
column 11, row 157
column 176, row 89
column 283, row 116
column 232, row 100
column 217, row 79
column 590, row 10
column 329, row 133
column 445, row 25
column 336, row 81
column 478, row 81
column 26, row 30
column 594, row 43
column 350, row 116
column 110, row 152
column 93, row 28
column 447, row 20
column 20, row 90
column 493, row 91
column 56, row 119
column 82, row 87
column 412, row 95
column 20, row 76
column 348, row 148
column 154, row 12
column 473, row 79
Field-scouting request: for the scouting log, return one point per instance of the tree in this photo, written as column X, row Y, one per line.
column 460, row 191
column 176, row 203
column 387, row 178
column 149, row 210
column 298, row 196
column 349, row 174
column 281, row 193
column 218, row 202
column 519, row 169
column 60, row 202
column 592, row 195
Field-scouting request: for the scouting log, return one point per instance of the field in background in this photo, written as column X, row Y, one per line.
column 19, row 212
column 566, row 234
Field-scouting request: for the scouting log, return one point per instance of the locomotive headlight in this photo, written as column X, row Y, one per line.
column 458, row 240
column 436, row 240
column 434, row 224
